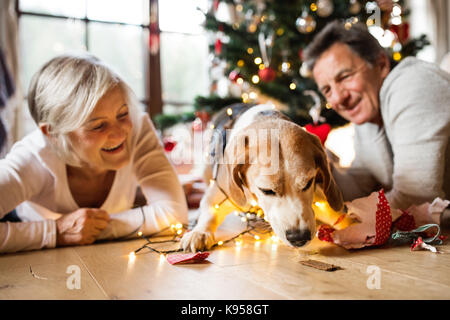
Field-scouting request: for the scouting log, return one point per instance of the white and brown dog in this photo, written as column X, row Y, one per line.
column 269, row 159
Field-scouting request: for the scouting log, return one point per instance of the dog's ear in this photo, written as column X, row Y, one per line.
column 329, row 186
column 232, row 175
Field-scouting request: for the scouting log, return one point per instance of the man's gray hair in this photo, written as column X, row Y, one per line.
column 65, row 91
column 356, row 36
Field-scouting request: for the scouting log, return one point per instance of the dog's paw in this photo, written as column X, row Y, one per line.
column 197, row 241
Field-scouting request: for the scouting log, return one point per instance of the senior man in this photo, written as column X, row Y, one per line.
column 401, row 116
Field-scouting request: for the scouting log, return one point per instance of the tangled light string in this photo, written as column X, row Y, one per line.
column 255, row 223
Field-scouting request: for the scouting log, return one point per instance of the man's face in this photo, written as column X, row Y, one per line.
column 350, row 84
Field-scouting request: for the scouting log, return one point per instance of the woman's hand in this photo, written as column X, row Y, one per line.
column 80, row 227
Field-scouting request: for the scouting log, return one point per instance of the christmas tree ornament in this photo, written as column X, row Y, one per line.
column 324, row 8
column 234, row 75
column 265, row 46
column 320, row 130
column 305, row 23
column 267, row 74
column 401, row 31
column 218, row 46
column 355, row 7
column 169, row 144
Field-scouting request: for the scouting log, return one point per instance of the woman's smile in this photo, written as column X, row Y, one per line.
column 116, row 149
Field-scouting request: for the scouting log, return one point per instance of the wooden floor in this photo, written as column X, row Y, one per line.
column 254, row 270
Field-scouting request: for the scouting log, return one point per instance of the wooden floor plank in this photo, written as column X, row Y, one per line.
column 259, row 270
column 152, row 277
column 42, row 275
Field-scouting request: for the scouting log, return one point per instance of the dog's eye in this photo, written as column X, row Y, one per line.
column 268, row 192
column 308, row 185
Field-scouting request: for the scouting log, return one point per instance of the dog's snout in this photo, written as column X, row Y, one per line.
column 298, row 237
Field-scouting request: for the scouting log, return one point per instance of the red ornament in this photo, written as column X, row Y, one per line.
column 218, row 47
column 402, row 31
column 267, row 74
column 234, row 75
column 169, row 144
column 321, row 130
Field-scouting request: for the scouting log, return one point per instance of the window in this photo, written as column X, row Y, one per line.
column 184, row 53
column 118, row 32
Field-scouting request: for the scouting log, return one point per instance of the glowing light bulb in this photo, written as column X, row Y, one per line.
column 250, row 50
column 256, row 237
column 229, row 111
column 258, row 60
column 179, row 231
column 255, row 79
column 240, row 81
column 178, row 226
column 220, row 243
column 321, row 205
column 132, row 256
column 253, row 203
column 216, row 206
column 292, row 86
column 140, row 233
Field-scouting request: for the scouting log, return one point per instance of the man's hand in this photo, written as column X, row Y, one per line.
column 80, row 227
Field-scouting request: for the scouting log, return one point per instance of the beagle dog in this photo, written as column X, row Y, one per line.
column 261, row 156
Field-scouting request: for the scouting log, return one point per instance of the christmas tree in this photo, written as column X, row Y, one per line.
column 258, row 49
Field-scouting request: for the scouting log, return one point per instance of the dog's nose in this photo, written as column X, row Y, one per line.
column 298, row 237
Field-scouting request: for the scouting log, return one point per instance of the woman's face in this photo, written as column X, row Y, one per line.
column 102, row 143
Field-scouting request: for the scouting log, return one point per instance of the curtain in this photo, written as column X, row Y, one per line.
column 9, row 113
column 440, row 12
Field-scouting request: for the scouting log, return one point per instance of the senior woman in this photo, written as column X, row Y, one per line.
column 73, row 180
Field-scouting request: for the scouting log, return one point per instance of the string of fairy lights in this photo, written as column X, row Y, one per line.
column 256, row 226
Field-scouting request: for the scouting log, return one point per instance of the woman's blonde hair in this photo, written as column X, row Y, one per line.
column 65, row 91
